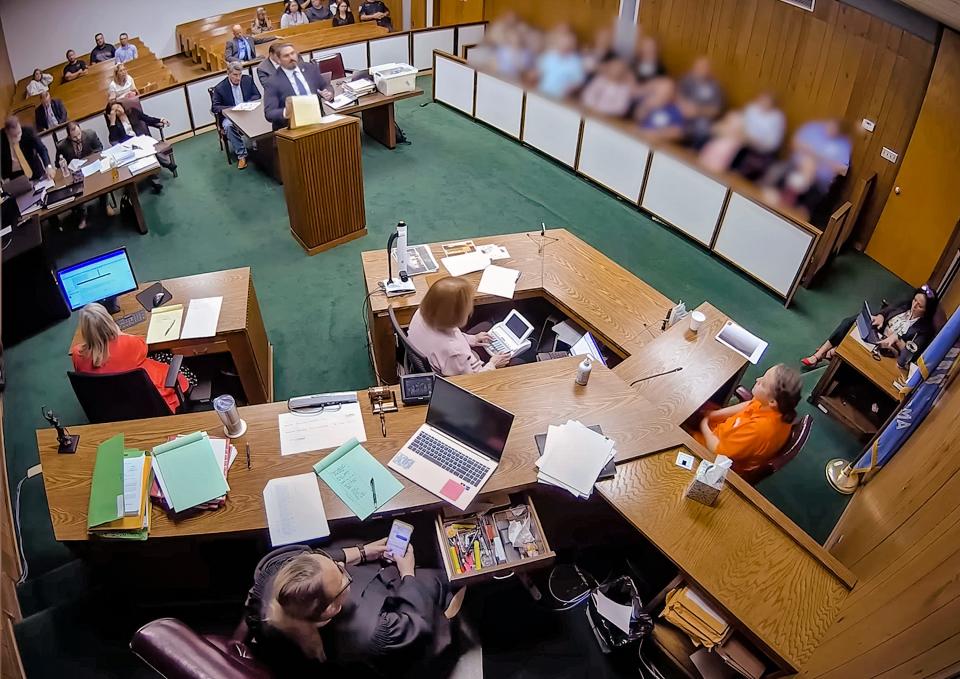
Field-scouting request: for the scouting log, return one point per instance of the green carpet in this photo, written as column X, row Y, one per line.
column 458, row 179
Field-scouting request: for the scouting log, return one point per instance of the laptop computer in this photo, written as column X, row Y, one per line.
column 457, row 449
column 509, row 336
column 22, row 190
column 865, row 325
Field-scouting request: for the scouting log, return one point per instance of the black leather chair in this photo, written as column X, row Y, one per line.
column 409, row 360
column 221, row 133
column 332, row 65
column 112, row 397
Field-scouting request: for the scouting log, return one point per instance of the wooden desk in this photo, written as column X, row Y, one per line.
column 621, row 310
column 707, row 365
column 377, row 112
column 853, row 362
column 240, row 330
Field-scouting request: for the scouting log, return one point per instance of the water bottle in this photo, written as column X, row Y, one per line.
column 63, row 167
column 584, row 370
column 114, row 170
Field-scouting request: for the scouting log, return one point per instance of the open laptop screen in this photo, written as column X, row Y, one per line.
column 468, row 418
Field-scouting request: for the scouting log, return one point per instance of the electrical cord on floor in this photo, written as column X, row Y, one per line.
column 35, row 470
column 364, row 308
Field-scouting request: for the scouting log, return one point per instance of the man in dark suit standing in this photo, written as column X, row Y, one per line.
column 236, row 88
column 50, row 113
column 22, row 152
column 293, row 78
column 240, row 48
column 268, row 67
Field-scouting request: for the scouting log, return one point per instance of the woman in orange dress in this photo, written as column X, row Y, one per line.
column 104, row 348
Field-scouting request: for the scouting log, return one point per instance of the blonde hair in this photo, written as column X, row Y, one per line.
column 97, row 330
column 116, row 73
column 448, row 303
column 298, row 597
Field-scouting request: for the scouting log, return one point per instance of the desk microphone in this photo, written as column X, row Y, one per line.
column 650, row 377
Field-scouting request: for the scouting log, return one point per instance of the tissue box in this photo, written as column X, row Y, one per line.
column 394, row 78
column 701, row 489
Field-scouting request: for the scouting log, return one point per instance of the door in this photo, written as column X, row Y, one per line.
column 924, row 204
column 451, row 12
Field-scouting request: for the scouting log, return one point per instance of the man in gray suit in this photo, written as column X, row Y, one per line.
column 241, row 47
column 267, row 68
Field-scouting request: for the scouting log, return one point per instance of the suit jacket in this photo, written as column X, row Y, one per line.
column 139, row 121
column 223, row 94
column 278, row 88
column 265, row 71
column 922, row 330
column 89, row 143
column 233, row 49
column 33, row 150
column 40, row 115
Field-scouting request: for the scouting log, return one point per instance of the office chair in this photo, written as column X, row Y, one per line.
column 410, row 361
column 221, row 133
column 799, row 433
column 332, row 65
column 112, row 397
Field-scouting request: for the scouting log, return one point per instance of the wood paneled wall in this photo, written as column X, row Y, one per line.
column 901, row 536
column 10, row 667
column 7, row 82
column 835, row 62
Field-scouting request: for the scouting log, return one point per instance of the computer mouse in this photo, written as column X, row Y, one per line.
column 157, row 299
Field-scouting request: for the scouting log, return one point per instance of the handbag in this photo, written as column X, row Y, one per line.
column 611, row 638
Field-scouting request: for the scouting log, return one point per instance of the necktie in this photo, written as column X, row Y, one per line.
column 243, row 50
column 24, row 165
column 298, row 84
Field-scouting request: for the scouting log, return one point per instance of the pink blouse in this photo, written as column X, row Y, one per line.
column 449, row 351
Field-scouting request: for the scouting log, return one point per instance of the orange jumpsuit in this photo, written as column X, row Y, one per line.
column 751, row 437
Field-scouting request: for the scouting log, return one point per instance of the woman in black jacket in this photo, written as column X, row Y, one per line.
column 124, row 124
column 910, row 320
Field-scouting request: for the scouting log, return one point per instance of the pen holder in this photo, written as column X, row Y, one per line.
column 226, row 407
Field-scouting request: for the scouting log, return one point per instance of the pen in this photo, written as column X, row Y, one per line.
column 248, row 456
column 373, row 489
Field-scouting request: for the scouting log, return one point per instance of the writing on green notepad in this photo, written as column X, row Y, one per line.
column 358, row 478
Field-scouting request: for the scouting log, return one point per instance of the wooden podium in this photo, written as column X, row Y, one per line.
column 323, row 183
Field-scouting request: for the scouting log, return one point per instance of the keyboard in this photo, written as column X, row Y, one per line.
column 131, row 320
column 449, row 459
column 550, row 355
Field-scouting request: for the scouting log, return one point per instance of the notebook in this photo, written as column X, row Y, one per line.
column 192, row 475
column 358, row 478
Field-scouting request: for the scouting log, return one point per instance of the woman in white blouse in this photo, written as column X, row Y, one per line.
column 122, row 84
column 292, row 16
column 39, row 84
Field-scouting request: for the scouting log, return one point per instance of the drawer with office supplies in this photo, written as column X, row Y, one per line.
column 505, row 537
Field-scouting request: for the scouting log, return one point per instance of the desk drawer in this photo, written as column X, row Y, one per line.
column 202, row 349
column 545, row 555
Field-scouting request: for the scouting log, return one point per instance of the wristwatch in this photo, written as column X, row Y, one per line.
column 363, row 553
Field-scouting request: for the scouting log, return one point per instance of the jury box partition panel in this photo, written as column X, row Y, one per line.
column 199, row 99
column 355, row 56
column 469, row 35
column 394, row 49
column 426, row 41
column 172, row 105
column 772, row 248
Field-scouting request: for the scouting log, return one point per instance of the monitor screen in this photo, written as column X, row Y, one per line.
column 96, row 279
column 468, row 418
column 516, row 325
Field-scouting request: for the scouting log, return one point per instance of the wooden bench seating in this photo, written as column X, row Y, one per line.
column 189, row 33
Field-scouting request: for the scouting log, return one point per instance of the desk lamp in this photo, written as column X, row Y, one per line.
column 404, row 286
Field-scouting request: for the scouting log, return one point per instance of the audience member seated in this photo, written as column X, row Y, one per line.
column 292, row 78
column 312, row 612
column 826, row 143
column 74, row 68
column 50, row 113
column 560, row 68
column 658, row 114
column 700, row 96
column 78, row 145
column 267, row 68
column 600, row 52
column 121, row 85
column 235, row 89
column 611, row 91
column 319, row 10
column 261, row 22
column 127, row 51
column 753, row 432
column 376, row 10
column 647, row 64
column 240, row 47
column 435, row 330
column 22, row 153
column 103, row 51
column 344, row 14
column 909, row 320
column 124, row 124
column 747, row 139
column 39, row 84
column 104, row 348
column 292, row 16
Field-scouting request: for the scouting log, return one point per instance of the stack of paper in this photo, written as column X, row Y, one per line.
column 188, row 472
column 294, row 509
column 573, row 457
column 202, row 318
column 499, row 281
column 165, row 324
column 247, row 106
column 687, row 610
column 358, row 478
column 118, row 506
column 359, row 87
column 225, row 453
column 458, row 265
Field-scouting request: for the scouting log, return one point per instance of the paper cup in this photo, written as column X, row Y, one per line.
column 696, row 319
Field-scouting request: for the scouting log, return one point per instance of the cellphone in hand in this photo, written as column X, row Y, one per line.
column 399, row 539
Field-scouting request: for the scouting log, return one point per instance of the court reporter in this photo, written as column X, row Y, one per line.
column 435, row 330
column 752, row 432
column 342, row 607
column 104, row 348
column 910, row 320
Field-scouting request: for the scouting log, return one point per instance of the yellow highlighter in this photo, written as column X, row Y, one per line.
column 455, row 560
column 476, row 554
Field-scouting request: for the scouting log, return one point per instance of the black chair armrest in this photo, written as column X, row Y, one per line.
column 173, row 372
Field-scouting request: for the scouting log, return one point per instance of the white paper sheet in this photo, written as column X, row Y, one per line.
column 90, row 168
column 567, row 332
column 144, row 141
column 294, row 509
column 616, row 613
column 247, row 106
column 742, row 341
column 458, row 265
column 132, row 484
column 573, row 457
column 328, row 429
column 494, row 252
column 202, row 317
column 143, row 164
column 499, row 281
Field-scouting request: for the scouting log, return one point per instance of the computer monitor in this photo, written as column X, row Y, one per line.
column 468, row 418
column 98, row 279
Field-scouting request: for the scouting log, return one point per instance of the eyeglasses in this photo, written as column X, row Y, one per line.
column 320, row 617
